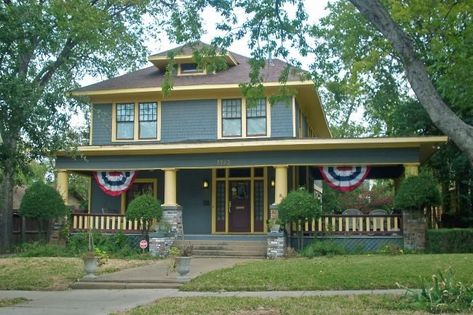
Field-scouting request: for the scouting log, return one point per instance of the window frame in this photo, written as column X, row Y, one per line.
column 265, row 106
column 197, row 71
column 244, row 128
column 132, row 122
column 222, row 118
column 136, row 121
column 155, row 120
column 153, row 181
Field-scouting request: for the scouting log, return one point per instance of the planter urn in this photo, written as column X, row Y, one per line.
column 183, row 267
column 90, row 267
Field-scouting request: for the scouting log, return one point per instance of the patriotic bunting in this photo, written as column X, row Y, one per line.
column 344, row 178
column 114, row 183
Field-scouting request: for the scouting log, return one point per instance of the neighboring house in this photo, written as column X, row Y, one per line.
column 217, row 165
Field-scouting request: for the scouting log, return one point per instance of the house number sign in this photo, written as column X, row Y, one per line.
column 223, row 162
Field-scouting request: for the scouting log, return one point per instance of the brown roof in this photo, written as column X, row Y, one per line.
column 152, row 77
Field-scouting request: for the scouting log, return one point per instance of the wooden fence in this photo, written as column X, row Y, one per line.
column 351, row 225
column 104, row 222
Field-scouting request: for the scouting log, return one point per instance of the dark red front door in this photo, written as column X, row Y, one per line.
column 239, row 209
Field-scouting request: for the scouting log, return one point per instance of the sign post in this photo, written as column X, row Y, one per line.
column 143, row 245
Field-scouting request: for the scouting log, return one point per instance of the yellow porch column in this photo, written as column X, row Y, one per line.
column 62, row 185
column 280, row 189
column 170, row 187
column 411, row 170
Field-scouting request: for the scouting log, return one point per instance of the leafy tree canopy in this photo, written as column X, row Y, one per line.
column 299, row 205
column 42, row 201
column 417, row 192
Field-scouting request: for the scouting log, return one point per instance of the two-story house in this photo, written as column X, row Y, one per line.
column 216, row 164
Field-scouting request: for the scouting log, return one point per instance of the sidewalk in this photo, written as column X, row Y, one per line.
column 74, row 302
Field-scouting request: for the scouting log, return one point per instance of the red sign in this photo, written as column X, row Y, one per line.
column 143, row 244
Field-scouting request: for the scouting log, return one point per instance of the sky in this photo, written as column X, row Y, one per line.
column 314, row 8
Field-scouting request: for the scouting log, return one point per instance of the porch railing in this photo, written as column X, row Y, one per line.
column 104, row 223
column 351, row 225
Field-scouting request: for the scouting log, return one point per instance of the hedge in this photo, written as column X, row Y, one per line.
column 450, row 241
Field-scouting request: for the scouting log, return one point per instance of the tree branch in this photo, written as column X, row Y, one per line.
column 442, row 116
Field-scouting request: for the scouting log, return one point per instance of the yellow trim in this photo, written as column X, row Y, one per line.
column 89, row 195
column 161, row 61
column 424, row 143
column 294, row 131
column 91, row 126
column 214, row 201
column 136, row 121
column 265, row 199
column 252, row 200
column 153, row 181
column 183, row 74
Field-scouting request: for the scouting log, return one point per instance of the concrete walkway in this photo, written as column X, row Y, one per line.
column 90, row 302
column 156, row 275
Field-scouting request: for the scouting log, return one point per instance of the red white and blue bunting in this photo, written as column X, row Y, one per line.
column 114, row 183
column 344, row 178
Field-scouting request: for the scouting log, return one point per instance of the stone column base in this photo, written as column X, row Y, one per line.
column 276, row 245
column 173, row 216
column 414, row 226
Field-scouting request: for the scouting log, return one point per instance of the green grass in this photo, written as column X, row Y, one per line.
column 50, row 273
column 334, row 273
column 264, row 306
column 10, row 302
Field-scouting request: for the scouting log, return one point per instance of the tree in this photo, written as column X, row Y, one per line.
column 43, row 202
column 417, row 192
column 146, row 209
column 45, row 48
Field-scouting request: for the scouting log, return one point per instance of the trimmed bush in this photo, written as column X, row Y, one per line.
column 450, row 241
column 44, row 203
column 323, row 248
column 145, row 208
column 417, row 192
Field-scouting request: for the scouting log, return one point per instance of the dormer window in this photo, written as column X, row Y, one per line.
column 190, row 68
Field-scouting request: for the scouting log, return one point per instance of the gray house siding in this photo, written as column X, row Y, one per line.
column 102, row 124
column 281, row 120
column 189, row 120
column 195, row 201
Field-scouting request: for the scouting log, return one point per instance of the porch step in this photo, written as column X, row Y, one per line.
column 104, row 284
column 227, row 248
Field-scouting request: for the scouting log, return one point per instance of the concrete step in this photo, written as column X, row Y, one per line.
column 221, row 243
column 229, row 253
column 124, row 285
column 226, row 248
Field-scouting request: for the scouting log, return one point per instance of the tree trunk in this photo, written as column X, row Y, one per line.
column 440, row 114
column 6, row 213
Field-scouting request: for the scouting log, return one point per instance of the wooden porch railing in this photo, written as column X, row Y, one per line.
column 104, row 223
column 351, row 225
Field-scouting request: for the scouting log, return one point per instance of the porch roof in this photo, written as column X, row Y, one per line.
column 375, row 151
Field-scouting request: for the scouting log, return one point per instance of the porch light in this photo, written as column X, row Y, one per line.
column 205, row 184
column 272, row 183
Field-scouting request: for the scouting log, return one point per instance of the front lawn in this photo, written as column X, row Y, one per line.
column 334, row 273
column 50, row 273
column 260, row 306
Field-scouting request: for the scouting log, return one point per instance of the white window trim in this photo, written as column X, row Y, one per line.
column 243, row 120
column 136, row 127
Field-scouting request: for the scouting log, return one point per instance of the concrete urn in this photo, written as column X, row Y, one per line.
column 183, row 265
column 90, row 266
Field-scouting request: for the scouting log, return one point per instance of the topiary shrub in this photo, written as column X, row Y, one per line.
column 299, row 205
column 44, row 203
column 417, row 192
column 144, row 208
column 450, row 241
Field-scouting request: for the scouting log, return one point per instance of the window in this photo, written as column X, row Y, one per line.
column 256, row 118
column 148, row 121
column 125, row 121
column 231, row 118
column 190, row 68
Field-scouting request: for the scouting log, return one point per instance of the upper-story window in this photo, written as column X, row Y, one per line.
column 231, row 118
column 136, row 121
column 148, row 120
column 240, row 119
column 256, row 118
column 125, row 121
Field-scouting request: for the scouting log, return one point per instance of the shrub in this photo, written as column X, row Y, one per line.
column 450, row 241
column 43, row 202
column 444, row 295
column 323, row 248
column 417, row 192
column 38, row 249
column 115, row 245
column 145, row 208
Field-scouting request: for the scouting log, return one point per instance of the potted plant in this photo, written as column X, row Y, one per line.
column 181, row 260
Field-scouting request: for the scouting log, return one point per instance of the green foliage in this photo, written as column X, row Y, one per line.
column 146, row 208
column 417, row 192
column 299, row 205
column 116, row 245
column 40, row 249
column 79, row 188
column 444, row 294
column 450, row 241
column 323, row 248
column 391, row 250
column 41, row 201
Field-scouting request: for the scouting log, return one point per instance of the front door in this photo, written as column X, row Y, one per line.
column 239, row 206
